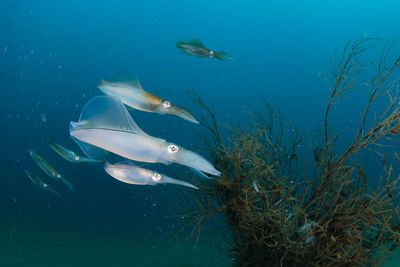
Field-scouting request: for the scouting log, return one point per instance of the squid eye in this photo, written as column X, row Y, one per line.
column 76, row 158
column 172, row 149
column 166, row 104
column 211, row 52
column 156, row 177
column 44, row 185
column 58, row 175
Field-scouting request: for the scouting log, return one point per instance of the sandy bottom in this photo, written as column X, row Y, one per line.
column 39, row 247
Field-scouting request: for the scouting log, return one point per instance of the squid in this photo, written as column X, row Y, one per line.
column 105, row 126
column 68, row 154
column 131, row 174
column 37, row 181
column 195, row 47
column 49, row 169
column 128, row 89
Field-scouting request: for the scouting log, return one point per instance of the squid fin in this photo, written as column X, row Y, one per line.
column 195, row 42
column 106, row 112
column 128, row 78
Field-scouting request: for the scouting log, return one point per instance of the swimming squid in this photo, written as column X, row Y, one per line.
column 131, row 174
column 127, row 88
column 68, row 154
column 105, row 126
column 49, row 169
column 195, row 47
column 37, row 181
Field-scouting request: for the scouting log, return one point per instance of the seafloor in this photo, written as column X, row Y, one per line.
column 35, row 246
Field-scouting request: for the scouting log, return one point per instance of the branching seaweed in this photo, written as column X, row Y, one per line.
column 279, row 217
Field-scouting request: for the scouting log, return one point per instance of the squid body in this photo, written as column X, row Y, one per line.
column 49, row 169
column 37, row 181
column 106, row 125
column 127, row 88
column 69, row 155
column 131, row 174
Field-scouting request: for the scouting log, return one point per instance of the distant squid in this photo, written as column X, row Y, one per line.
column 37, row 181
column 106, row 125
column 49, row 169
column 127, row 88
column 69, row 155
column 131, row 174
column 195, row 47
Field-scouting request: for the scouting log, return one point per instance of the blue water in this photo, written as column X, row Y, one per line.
column 54, row 53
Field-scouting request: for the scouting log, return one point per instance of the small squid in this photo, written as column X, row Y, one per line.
column 37, row 181
column 195, row 47
column 127, row 88
column 69, row 155
column 105, row 126
column 131, row 174
column 49, row 169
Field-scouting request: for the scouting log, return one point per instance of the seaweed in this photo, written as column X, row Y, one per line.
column 281, row 216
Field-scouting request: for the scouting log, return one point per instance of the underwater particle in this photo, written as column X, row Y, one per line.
column 5, row 49
column 83, row 95
column 43, row 117
column 59, row 66
column 255, row 187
